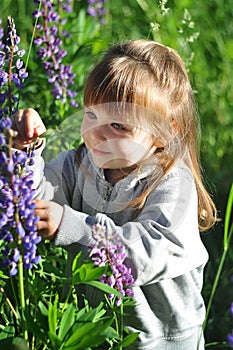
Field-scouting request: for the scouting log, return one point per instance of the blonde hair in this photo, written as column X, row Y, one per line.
column 150, row 75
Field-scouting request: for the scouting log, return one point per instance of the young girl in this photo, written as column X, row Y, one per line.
column 137, row 172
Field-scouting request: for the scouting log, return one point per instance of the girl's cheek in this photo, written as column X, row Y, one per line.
column 84, row 130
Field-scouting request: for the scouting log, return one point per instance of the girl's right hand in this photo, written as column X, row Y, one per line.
column 28, row 125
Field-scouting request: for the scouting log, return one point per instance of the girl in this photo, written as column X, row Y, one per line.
column 138, row 166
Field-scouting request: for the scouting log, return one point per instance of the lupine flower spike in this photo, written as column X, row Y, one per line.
column 18, row 234
column 97, row 9
column 109, row 250
column 12, row 72
column 49, row 42
column 230, row 335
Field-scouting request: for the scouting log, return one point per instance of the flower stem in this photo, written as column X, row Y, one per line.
column 10, row 304
column 22, row 298
column 30, row 48
column 32, row 38
column 228, row 231
column 121, row 324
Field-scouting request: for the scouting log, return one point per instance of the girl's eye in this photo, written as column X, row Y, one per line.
column 90, row 115
column 118, row 126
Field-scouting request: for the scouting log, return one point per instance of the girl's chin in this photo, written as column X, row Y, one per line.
column 112, row 165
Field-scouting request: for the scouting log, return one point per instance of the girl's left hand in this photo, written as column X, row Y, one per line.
column 50, row 214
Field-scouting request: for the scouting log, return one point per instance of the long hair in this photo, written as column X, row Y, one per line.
column 143, row 75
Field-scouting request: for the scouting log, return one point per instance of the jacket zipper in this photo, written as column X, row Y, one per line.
column 107, row 192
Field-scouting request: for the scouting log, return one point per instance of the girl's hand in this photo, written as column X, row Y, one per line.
column 50, row 214
column 29, row 126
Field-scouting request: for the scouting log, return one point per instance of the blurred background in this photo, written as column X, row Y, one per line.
column 202, row 33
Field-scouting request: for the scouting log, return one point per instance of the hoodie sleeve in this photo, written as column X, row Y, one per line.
column 54, row 180
column 164, row 241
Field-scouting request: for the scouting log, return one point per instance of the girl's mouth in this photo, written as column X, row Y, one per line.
column 99, row 152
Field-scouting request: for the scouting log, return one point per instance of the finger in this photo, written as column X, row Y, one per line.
column 42, row 225
column 42, row 213
column 18, row 121
column 33, row 125
column 45, row 229
column 40, row 204
column 28, row 124
column 39, row 130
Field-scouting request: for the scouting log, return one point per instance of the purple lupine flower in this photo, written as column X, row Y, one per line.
column 12, row 72
column 1, row 32
column 230, row 339
column 230, row 335
column 50, row 49
column 67, row 6
column 18, row 232
column 17, row 218
column 109, row 250
column 96, row 8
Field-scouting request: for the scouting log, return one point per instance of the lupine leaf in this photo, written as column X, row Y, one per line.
column 93, row 315
column 52, row 316
column 90, row 334
column 88, row 272
column 55, row 340
column 67, row 321
column 7, row 332
column 129, row 339
column 77, row 262
column 42, row 308
column 80, row 25
column 105, row 288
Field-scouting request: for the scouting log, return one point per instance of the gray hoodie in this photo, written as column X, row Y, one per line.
column 162, row 242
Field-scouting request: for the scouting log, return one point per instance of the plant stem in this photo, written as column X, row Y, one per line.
column 30, row 49
column 32, row 38
column 216, row 280
column 227, row 238
column 22, row 298
column 10, row 304
column 121, row 324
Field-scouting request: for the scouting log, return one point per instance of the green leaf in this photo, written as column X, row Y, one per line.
column 7, row 332
column 92, row 315
column 77, row 262
column 52, row 316
column 105, row 288
column 42, row 308
column 90, row 334
column 67, row 321
column 87, row 272
column 129, row 339
column 55, row 340
column 80, row 25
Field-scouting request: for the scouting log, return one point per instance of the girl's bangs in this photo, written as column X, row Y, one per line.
column 123, row 90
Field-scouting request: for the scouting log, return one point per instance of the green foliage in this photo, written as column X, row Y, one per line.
column 202, row 33
column 52, row 321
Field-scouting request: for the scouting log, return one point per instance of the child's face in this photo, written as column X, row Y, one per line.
column 113, row 143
